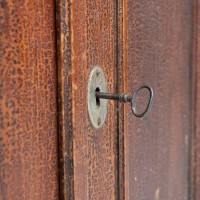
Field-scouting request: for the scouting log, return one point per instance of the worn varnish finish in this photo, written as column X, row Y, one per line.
column 28, row 116
column 159, row 53
column 128, row 158
column 88, row 160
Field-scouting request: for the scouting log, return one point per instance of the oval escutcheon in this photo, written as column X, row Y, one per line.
column 97, row 108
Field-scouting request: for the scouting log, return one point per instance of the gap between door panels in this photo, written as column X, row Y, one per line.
column 120, row 60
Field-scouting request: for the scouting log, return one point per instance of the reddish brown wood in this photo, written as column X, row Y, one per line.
column 28, row 115
column 88, row 157
column 128, row 158
column 159, row 46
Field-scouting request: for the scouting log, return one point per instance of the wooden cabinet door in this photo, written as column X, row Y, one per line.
column 135, row 42
column 48, row 146
column 28, row 101
column 159, row 53
column 86, row 38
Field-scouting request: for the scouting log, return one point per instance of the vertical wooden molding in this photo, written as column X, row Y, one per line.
column 64, row 57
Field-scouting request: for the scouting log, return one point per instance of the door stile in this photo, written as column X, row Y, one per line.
column 65, row 125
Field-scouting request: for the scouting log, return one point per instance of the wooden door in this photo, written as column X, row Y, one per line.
column 28, row 101
column 86, row 38
column 135, row 42
column 159, row 53
column 48, row 147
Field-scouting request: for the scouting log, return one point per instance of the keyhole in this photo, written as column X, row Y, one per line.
column 97, row 99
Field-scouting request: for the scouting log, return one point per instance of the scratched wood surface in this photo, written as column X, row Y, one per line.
column 159, row 53
column 88, row 157
column 28, row 115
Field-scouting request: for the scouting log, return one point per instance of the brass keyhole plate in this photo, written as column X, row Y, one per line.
column 97, row 108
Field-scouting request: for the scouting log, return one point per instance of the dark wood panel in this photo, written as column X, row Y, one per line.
column 28, row 115
column 88, row 156
column 196, row 74
column 159, row 46
column 121, row 88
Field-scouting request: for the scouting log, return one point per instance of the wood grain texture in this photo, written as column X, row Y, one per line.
column 159, row 53
column 28, row 114
column 196, row 74
column 88, row 161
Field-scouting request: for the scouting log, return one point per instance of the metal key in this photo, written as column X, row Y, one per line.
column 124, row 97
